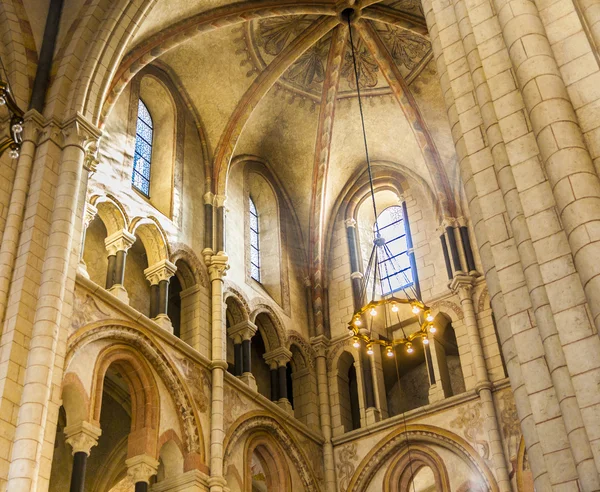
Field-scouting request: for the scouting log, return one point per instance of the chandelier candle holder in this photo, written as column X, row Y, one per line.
column 14, row 137
column 383, row 278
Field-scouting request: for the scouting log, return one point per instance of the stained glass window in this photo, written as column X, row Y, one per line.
column 254, row 243
column 140, row 178
column 394, row 268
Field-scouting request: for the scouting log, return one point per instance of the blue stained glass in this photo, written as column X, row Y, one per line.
column 140, row 177
column 254, row 242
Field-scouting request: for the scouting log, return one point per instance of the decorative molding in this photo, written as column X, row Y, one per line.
column 346, row 465
column 140, row 468
column 249, row 425
column 82, row 437
column 483, row 295
column 160, row 363
column 444, row 306
column 471, row 423
column 295, row 338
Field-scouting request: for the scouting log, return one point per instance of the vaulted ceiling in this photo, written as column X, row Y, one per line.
column 274, row 79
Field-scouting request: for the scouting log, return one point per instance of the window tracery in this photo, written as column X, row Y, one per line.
column 254, row 242
column 395, row 270
column 140, row 177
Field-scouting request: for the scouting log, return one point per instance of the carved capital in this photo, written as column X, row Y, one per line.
column 278, row 357
column 461, row 221
column 79, row 132
column 244, row 330
column 119, row 241
column 163, row 270
column 218, row 266
column 90, row 159
column 350, row 223
column 140, row 468
column 32, row 126
column 462, row 285
column 82, row 437
column 89, row 214
column 209, row 198
column 448, row 222
column 320, row 345
column 220, row 200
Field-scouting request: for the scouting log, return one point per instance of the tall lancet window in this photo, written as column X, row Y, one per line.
column 395, row 270
column 140, row 178
column 254, row 242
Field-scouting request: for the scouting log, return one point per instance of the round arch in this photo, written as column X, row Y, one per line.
column 421, row 434
column 270, row 327
column 136, row 340
column 406, row 465
column 255, row 422
column 111, row 212
column 152, row 237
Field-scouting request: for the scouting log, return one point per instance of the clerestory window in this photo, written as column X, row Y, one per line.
column 140, row 177
column 254, row 242
column 395, row 270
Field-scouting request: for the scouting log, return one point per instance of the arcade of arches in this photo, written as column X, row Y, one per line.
column 188, row 218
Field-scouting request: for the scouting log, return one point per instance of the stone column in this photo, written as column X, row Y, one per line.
column 89, row 215
column 320, row 344
column 16, row 209
column 117, row 245
column 463, row 285
column 242, row 334
column 278, row 360
column 209, row 199
column 82, row 438
column 53, row 305
column 159, row 275
column 216, row 268
column 140, row 469
column 220, row 231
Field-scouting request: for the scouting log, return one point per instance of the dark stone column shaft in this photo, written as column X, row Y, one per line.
column 154, row 300
column 78, row 472
column 453, row 249
column 110, row 271
column 274, row 385
column 283, row 392
column 446, row 256
column 220, row 229
column 208, row 225
column 163, row 296
column 141, row 487
column 119, row 277
column 464, row 235
column 237, row 357
column 246, row 356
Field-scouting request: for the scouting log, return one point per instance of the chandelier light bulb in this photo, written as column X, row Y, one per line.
column 370, row 349
column 429, row 317
column 357, row 322
column 416, row 309
column 425, row 341
column 373, row 311
column 432, row 329
column 351, row 332
column 389, row 351
column 356, row 343
column 14, row 154
column 409, row 348
column 395, row 307
column 2, row 100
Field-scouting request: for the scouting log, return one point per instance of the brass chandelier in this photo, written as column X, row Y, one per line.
column 379, row 303
column 14, row 137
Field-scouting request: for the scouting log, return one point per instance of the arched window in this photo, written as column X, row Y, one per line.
column 140, row 178
column 395, row 270
column 254, row 243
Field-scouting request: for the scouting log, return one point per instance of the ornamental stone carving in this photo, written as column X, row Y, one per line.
column 141, row 468
column 82, row 437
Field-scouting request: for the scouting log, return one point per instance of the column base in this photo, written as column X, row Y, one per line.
column 372, row 415
column 164, row 322
column 120, row 293
column 286, row 406
column 436, row 393
column 249, row 379
column 217, row 484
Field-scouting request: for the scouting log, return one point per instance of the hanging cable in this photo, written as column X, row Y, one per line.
column 362, row 120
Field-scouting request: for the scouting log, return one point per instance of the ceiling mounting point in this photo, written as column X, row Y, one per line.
column 350, row 14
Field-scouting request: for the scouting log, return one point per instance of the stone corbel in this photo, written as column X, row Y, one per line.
column 119, row 241
column 141, row 468
column 82, row 437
